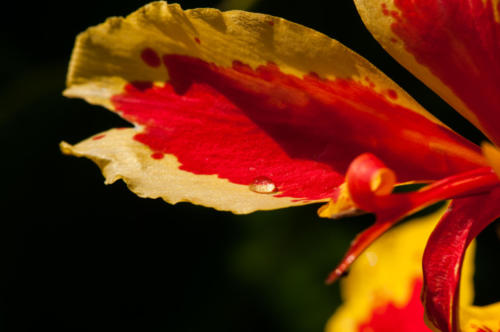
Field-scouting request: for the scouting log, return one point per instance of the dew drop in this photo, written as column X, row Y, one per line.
column 263, row 185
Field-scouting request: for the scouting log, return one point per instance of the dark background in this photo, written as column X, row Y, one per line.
column 76, row 255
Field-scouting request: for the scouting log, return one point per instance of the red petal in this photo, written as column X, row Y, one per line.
column 458, row 42
column 241, row 123
column 444, row 254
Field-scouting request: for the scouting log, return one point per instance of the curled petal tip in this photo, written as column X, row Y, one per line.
column 382, row 182
column 368, row 180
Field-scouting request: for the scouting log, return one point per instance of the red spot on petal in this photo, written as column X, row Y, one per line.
column 394, row 40
column 157, row 155
column 142, row 85
column 98, row 137
column 370, row 83
column 314, row 75
column 240, row 122
column 392, row 94
column 390, row 317
column 196, row 39
column 150, row 57
column 385, row 11
column 271, row 23
column 481, row 329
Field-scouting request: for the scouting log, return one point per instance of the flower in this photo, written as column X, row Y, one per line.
column 241, row 112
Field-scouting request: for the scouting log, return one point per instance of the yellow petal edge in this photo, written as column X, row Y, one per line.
column 119, row 156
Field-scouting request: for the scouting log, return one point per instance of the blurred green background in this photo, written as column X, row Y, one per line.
column 80, row 256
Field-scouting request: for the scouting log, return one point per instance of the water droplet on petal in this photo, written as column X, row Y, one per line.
column 263, row 185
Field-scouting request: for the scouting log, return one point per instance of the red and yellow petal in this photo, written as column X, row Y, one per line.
column 442, row 260
column 452, row 46
column 382, row 291
column 236, row 97
column 155, row 175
